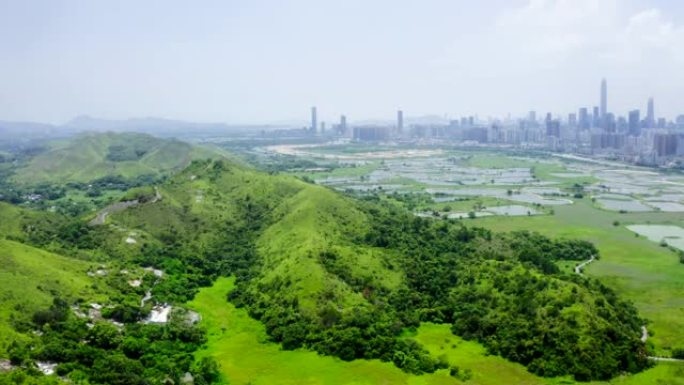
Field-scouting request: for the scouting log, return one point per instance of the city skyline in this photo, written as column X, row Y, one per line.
column 602, row 115
column 224, row 61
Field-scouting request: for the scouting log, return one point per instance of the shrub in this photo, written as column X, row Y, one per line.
column 678, row 353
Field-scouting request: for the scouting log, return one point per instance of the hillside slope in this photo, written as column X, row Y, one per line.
column 31, row 278
column 345, row 278
column 91, row 156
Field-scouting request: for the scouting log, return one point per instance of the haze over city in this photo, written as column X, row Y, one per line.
column 268, row 62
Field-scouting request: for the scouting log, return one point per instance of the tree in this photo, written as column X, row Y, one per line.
column 104, row 335
column 205, row 371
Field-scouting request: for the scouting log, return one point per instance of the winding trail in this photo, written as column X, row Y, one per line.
column 578, row 268
column 644, row 331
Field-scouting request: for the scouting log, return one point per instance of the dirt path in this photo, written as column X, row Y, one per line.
column 118, row 206
column 101, row 217
column 578, row 268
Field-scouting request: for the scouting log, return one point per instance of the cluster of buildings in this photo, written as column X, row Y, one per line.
column 636, row 137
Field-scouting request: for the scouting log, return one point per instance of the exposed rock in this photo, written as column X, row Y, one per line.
column 48, row 368
column 5, row 366
column 159, row 314
column 187, row 379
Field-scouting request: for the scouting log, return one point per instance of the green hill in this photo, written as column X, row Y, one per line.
column 311, row 270
column 91, row 156
column 345, row 278
column 31, row 278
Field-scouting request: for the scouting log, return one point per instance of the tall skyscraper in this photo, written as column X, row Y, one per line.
column 572, row 120
column 314, row 120
column 400, row 121
column 650, row 114
column 596, row 118
column 634, row 123
column 604, row 99
column 584, row 122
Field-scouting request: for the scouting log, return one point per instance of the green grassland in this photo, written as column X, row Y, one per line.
column 91, row 156
column 31, row 277
column 542, row 168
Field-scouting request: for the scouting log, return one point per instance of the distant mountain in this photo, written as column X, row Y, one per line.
column 156, row 126
column 18, row 131
column 90, row 156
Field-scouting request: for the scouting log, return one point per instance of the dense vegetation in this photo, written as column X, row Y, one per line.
column 445, row 272
column 324, row 272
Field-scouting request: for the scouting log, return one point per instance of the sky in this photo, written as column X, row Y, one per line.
column 258, row 61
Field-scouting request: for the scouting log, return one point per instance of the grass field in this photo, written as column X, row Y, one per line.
column 240, row 345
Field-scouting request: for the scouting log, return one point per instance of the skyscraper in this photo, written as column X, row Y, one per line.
column 650, row 114
column 343, row 125
column 400, row 121
column 596, row 118
column 634, row 123
column 604, row 99
column 584, row 122
column 314, row 120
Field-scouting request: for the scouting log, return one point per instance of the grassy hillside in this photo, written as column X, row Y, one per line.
column 344, row 278
column 91, row 156
column 31, row 278
column 325, row 289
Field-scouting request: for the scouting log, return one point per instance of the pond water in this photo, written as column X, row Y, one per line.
column 523, row 197
column 513, row 210
column 668, row 207
column 478, row 214
column 626, row 205
column 673, row 235
column 617, row 197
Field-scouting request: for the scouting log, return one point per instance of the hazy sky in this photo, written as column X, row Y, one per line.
column 258, row 61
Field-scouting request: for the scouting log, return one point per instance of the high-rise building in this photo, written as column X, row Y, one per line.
column 572, row 120
column 552, row 126
column 650, row 114
column 596, row 118
column 634, row 123
column 609, row 123
column 665, row 144
column 314, row 120
column 400, row 121
column 604, row 99
column 532, row 117
column 343, row 124
column 584, row 122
